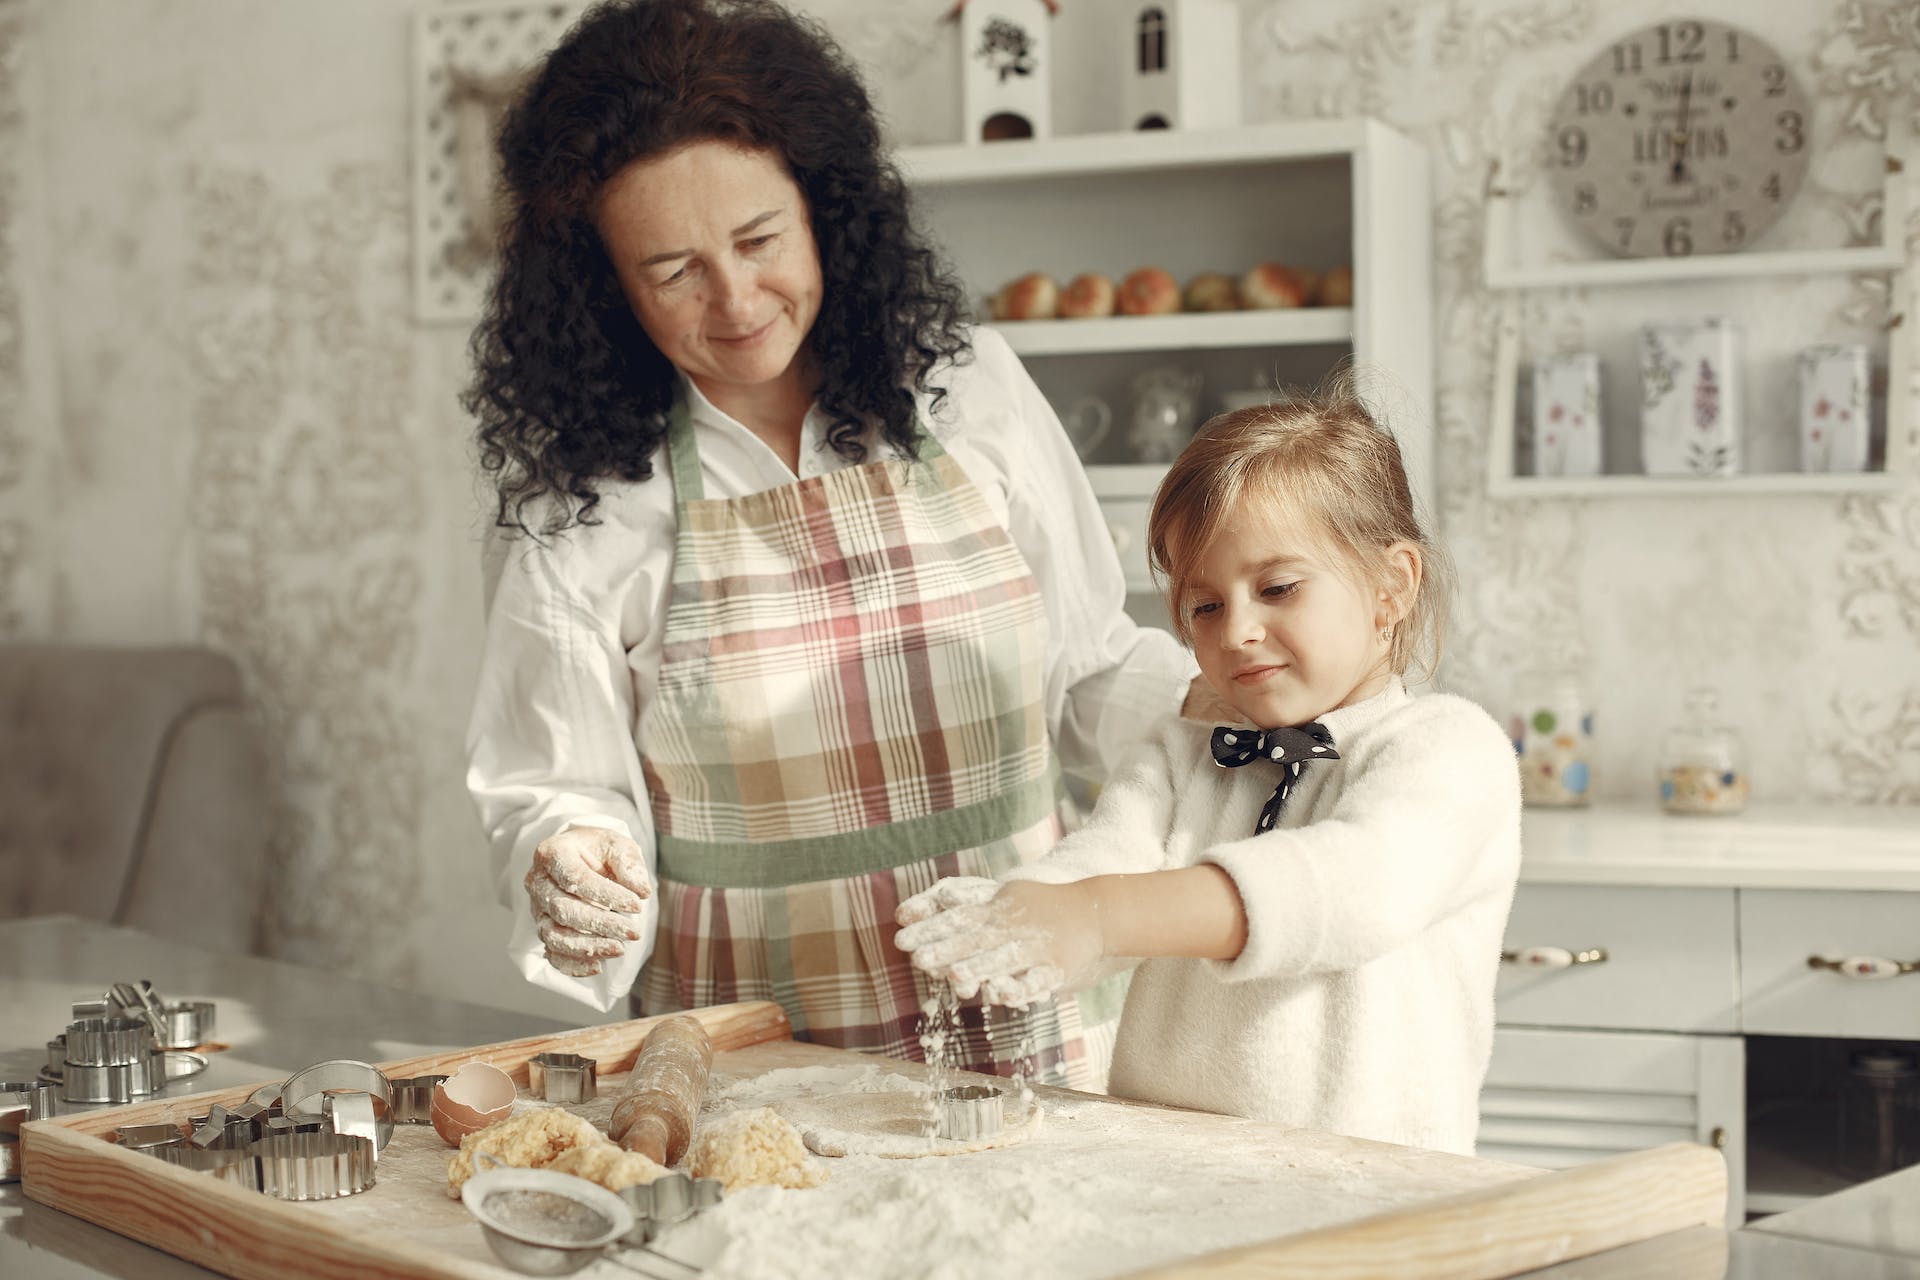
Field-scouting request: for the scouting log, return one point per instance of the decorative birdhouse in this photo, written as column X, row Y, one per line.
column 1181, row 65
column 1006, row 68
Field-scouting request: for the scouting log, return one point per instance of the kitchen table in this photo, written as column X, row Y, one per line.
column 278, row 1017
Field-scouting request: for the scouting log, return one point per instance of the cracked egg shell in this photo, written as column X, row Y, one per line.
column 470, row 1099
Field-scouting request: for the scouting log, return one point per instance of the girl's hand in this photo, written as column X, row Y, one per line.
column 585, row 889
column 1026, row 942
column 946, row 894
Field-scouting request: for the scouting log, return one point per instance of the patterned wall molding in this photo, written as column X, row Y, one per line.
column 1475, row 80
column 308, row 502
column 467, row 60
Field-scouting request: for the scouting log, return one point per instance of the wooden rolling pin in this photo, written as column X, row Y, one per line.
column 655, row 1114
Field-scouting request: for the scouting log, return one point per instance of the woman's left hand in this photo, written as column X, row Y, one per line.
column 1028, row 941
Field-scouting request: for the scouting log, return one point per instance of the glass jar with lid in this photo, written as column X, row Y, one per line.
column 1553, row 734
column 1880, row 1112
column 1703, row 763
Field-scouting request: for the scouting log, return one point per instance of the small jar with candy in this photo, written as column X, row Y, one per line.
column 1553, row 734
column 1703, row 763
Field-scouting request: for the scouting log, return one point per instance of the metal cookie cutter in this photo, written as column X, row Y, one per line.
column 177, row 1024
column 221, row 1129
column 354, row 1115
column 970, row 1112
column 413, row 1099
column 300, row 1096
column 313, row 1166
column 107, row 1060
column 19, row 1102
column 665, row 1201
column 564, row 1077
column 230, row 1164
column 149, row 1137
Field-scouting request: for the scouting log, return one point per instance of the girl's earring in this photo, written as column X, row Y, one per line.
column 1386, row 635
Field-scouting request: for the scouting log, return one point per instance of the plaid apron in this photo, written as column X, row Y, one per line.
column 849, row 708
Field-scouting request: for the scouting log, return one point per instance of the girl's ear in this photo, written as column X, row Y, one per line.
column 1402, row 587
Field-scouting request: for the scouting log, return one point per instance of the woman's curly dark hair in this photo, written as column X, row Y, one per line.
column 567, row 387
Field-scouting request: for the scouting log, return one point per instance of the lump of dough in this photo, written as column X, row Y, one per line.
column 757, row 1148
column 529, row 1140
column 606, row 1164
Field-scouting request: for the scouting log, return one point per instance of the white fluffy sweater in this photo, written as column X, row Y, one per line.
column 1362, row 1003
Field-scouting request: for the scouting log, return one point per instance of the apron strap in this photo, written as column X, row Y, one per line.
column 683, row 456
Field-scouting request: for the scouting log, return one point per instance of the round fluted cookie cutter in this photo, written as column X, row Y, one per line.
column 970, row 1112
column 300, row 1095
column 313, row 1166
column 107, row 1060
column 229, row 1164
column 564, row 1077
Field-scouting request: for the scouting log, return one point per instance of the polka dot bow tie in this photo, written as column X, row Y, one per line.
column 1234, row 746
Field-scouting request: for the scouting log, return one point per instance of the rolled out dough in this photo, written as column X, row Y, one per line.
column 893, row 1125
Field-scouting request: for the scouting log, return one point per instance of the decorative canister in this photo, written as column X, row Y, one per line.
column 1566, row 415
column 1553, row 734
column 1690, row 403
column 1703, row 763
column 1833, row 408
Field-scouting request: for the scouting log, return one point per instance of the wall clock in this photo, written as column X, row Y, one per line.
column 1683, row 137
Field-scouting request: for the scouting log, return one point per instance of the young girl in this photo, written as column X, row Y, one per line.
column 1321, row 890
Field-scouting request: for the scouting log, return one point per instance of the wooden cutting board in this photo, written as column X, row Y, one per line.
column 1291, row 1202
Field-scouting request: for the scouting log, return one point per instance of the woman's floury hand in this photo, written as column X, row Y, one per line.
column 585, row 887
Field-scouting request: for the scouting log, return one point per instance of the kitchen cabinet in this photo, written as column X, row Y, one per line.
column 1561, row 1098
column 1782, row 992
column 1666, row 959
column 1660, row 979
column 1314, row 194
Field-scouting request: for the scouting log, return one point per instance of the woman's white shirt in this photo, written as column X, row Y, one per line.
column 574, row 629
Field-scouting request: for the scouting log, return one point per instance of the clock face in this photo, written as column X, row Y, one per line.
column 1683, row 137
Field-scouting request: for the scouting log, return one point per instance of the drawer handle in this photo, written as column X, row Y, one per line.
column 1870, row 968
column 1553, row 957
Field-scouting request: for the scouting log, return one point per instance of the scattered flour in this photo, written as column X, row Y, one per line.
column 1103, row 1190
column 895, row 1125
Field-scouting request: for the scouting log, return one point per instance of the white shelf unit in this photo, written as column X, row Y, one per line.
column 1305, row 326
column 1315, row 194
column 1512, row 280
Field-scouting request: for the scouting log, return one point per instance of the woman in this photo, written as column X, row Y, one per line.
column 731, row 716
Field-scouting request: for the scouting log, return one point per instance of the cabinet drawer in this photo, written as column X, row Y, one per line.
column 1782, row 994
column 1670, row 959
column 1127, row 525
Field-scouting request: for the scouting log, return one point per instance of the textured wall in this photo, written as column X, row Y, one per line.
column 218, row 420
column 25, row 444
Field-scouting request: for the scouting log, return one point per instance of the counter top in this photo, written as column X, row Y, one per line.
column 1767, row 847
column 274, row 1017
column 1881, row 1216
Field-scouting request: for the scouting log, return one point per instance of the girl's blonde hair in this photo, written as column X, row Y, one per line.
column 1319, row 453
